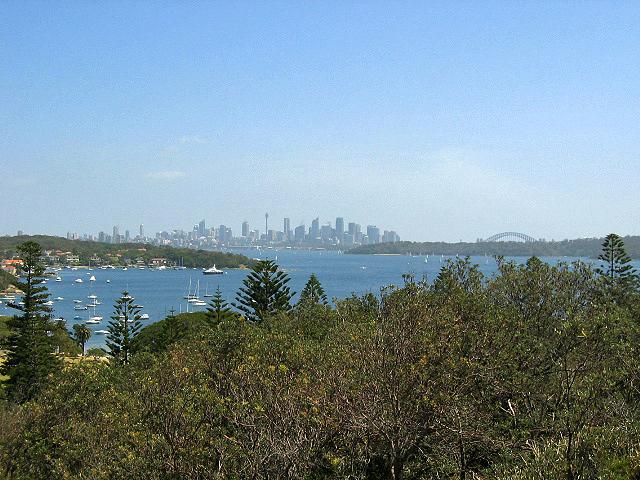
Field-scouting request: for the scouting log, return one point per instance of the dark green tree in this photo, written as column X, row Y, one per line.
column 81, row 334
column 313, row 293
column 218, row 309
column 619, row 274
column 123, row 327
column 30, row 359
column 265, row 292
column 174, row 331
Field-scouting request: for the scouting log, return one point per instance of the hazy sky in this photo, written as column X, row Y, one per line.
column 443, row 121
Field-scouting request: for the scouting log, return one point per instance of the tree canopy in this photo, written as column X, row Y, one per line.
column 265, row 292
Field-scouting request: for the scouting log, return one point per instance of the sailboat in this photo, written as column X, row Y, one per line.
column 95, row 318
column 206, row 292
column 195, row 297
column 189, row 295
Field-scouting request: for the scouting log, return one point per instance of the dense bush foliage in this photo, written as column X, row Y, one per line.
column 531, row 374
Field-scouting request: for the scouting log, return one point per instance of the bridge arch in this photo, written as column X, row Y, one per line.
column 510, row 236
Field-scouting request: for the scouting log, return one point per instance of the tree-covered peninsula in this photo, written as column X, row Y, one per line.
column 581, row 247
column 62, row 251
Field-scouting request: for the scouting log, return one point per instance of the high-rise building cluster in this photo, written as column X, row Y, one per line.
column 338, row 235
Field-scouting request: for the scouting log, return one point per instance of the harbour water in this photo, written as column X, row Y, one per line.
column 161, row 290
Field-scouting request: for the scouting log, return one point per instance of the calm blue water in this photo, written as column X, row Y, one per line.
column 160, row 290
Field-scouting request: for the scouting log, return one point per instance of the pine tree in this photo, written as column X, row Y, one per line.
column 265, row 292
column 313, row 293
column 123, row 327
column 218, row 309
column 619, row 274
column 30, row 359
column 81, row 333
column 174, row 331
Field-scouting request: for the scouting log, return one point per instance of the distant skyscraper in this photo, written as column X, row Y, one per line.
column 266, row 223
column 326, row 232
column 314, row 233
column 340, row 228
column 390, row 237
column 245, row 229
column 287, row 228
column 298, row 233
column 202, row 228
column 373, row 233
column 141, row 230
column 127, row 236
column 116, row 235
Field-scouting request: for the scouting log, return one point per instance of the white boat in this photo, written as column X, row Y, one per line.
column 189, row 295
column 144, row 316
column 92, row 296
column 78, row 280
column 80, row 307
column 77, row 317
column 212, row 271
column 199, row 303
column 108, row 281
column 125, row 269
column 48, row 304
column 93, row 320
column 77, row 301
column 58, row 279
column 92, row 278
column 101, row 332
column 59, row 298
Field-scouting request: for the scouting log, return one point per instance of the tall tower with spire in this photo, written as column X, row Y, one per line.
column 266, row 224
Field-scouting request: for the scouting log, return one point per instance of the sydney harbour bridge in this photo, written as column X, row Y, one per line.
column 510, row 237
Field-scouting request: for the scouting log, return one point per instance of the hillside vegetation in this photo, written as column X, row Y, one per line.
column 530, row 374
column 6, row 279
column 116, row 254
column 583, row 247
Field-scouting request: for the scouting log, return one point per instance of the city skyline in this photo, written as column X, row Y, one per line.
column 203, row 234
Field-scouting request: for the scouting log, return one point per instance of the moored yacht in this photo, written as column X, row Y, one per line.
column 212, row 271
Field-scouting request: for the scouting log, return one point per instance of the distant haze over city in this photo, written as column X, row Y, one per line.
column 438, row 123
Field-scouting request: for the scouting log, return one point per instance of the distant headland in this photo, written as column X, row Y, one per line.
column 61, row 251
column 581, row 247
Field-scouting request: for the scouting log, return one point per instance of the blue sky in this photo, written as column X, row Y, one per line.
column 443, row 121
